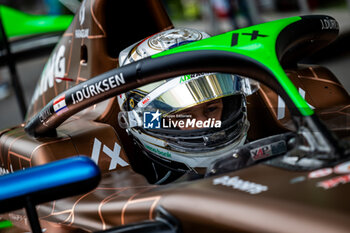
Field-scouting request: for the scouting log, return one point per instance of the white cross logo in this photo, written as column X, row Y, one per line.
column 113, row 154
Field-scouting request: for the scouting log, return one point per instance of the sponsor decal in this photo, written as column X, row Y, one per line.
column 151, row 120
column 254, row 35
column 320, row 173
column 89, row 91
column 59, row 104
column 185, row 78
column 158, row 152
column 44, row 115
column 82, row 33
column 239, row 184
column 234, row 39
column 113, row 154
column 342, row 168
column 132, row 103
column 268, row 150
column 333, row 182
column 329, row 24
column 145, row 100
column 261, row 152
column 188, row 77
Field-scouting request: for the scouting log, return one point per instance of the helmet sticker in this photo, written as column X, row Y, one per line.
column 188, row 77
column 171, row 38
column 132, row 103
column 158, row 151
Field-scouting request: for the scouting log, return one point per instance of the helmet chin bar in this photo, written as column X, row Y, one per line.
column 208, row 58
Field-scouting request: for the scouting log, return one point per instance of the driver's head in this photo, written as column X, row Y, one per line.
column 185, row 122
column 211, row 110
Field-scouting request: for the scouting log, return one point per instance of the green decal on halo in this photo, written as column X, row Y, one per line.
column 258, row 43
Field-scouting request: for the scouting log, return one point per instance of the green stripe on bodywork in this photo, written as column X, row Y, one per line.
column 17, row 23
column 261, row 49
column 5, row 224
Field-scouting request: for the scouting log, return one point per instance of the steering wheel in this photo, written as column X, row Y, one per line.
column 259, row 52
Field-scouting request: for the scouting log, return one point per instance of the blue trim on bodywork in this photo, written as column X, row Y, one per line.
column 51, row 175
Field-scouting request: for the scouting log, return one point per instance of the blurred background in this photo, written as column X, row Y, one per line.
column 212, row 16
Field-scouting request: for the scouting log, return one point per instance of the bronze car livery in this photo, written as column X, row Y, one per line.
column 75, row 113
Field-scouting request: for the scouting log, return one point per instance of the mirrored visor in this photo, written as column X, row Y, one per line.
column 189, row 90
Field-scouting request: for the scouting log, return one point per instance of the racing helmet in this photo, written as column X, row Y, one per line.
column 186, row 122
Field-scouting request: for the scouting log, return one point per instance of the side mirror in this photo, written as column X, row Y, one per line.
column 49, row 182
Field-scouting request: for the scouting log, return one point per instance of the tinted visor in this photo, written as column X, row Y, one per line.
column 188, row 91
